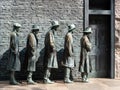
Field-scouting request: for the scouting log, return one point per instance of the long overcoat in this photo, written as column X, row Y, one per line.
column 14, row 61
column 50, row 55
column 31, row 54
column 68, row 51
column 85, row 63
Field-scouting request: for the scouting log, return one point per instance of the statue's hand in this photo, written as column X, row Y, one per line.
column 33, row 58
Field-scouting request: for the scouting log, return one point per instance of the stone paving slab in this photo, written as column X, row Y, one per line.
column 94, row 84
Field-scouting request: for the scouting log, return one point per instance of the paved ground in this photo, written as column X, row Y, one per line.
column 94, row 84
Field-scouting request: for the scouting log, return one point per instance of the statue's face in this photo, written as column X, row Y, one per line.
column 89, row 35
column 17, row 29
column 72, row 31
column 36, row 32
column 55, row 28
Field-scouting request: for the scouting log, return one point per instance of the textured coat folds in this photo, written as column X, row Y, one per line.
column 50, row 55
column 85, row 63
column 68, row 51
column 31, row 55
column 14, row 61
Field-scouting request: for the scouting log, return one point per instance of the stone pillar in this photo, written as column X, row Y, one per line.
column 117, row 39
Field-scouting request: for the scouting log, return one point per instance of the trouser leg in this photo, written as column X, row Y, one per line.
column 47, row 76
column 67, row 75
column 47, row 73
column 29, row 78
column 84, row 76
column 12, row 78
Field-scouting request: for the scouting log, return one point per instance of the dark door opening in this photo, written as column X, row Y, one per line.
column 100, row 56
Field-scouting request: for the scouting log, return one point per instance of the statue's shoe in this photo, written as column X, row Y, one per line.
column 85, row 80
column 47, row 81
column 68, row 81
column 14, row 83
column 31, row 82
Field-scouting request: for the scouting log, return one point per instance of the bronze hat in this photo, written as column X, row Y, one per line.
column 88, row 30
column 71, row 27
column 17, row 25
column 35, row 27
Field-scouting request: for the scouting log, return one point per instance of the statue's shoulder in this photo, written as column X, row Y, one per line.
column 49, row 32
column 12, row 34
column 69, row 35
column 85, row 37
column 30, row 35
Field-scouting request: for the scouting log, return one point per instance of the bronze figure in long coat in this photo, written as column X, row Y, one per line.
column 14, row 61
column 68, row 61
column 31, row 52
column 50, row 55
column 85, row 63
column 31, row 55
column 68, row 51
column 50, row 59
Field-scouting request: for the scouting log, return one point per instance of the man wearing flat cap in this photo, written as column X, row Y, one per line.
column 50, row 57
column 31, row 55
column 85, row 63
column 68, row 61
column 14, row 61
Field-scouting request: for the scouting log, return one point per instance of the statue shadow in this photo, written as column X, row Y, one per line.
column 39, row 66
column 23, row 73
column 58, row 73
column 38, row 74
column 3, row 65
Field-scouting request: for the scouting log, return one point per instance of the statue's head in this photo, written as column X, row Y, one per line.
column 55, row 25
column 88, row 30
column 35, row 29
column 71, row 27
column 16, row 26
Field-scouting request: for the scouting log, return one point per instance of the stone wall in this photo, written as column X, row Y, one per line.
column 40, row 12
column 117, row 38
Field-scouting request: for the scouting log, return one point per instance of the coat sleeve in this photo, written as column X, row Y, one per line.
column 69, row 45
column 31, row 44
column 13, row 43
column 88, row 45
column 52, row 45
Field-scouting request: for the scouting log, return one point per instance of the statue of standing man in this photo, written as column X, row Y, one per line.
column 31, row 55
column 50, row 57
column 85, row 63
column 14, row 61
column 68, row 61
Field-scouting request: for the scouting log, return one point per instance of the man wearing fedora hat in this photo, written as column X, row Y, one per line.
column 68, row 61
column 31, row 55
column 14, row 61
column 50, row 57
column 85, row 64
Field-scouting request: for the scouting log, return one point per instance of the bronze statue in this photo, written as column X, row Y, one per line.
column 14, row 61
column 50, row 57
column 31, row 55
column 85, row 63
column 68, row 61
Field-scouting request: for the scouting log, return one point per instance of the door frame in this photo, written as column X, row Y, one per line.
column 110, row 12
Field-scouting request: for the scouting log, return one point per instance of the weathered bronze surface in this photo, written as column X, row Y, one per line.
column 50, row 56
column 31, row 55
column 85, row 63
column 14, row 61
column 68, row 61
